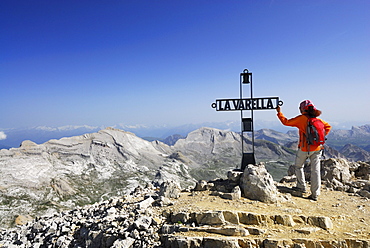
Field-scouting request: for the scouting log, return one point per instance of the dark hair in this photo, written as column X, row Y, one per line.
column 312, row 112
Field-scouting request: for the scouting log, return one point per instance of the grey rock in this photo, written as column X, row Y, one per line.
column 235, row 194
column 234, row 176
column 163, row 201
column 252, row 218
column 210, row 218
column 285, row 220
column 145, row 203
column 182, row 217
column 228, row 231
column 364, row 193
column 143, row 223
column 363, row 171
column 83, row 169
column 102, row 225
column 257, row 184
column 209, row 242
column 231, row 217
column 170, row 189
column 202, row 185
column 126, row 243
column 62, row 187
column 320, row 221
column 338, row 169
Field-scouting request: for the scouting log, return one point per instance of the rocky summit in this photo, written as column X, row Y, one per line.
column 113, row 189
column 212, row 214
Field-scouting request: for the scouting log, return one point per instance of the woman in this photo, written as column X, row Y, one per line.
column 313, row 152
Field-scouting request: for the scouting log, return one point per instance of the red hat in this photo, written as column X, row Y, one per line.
column 305, row 104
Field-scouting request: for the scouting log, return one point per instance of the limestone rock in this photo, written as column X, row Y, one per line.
column 22, row 219
column 170, row 189
column 62, row 187
column 308, row 230
column 145, row 203
column 210, row 242
column 235, row 194
column 182, row 217
column 285, row 220
column 272, row 243
column 179, row 156
column 323, row 222
column 125, row 243
column 210, row 218
column 231, row 217
column 252, row 218
column 201, row 185
column 227, row 231
column 234, row 176
column 363, row 171
column 338, row 169
column 257, row 184
column 118, row 222
column 143, row 223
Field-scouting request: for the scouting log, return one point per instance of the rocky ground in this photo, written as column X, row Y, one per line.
column 349, row 213
column 151, row 217
column 214, row 214
column 277, row 216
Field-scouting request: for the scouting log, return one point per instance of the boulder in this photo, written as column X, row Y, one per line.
column 252, row 218
column 257, row 184
column 285, row 220
column 338, row 169
column 363, row 171
column 170, row 189
column 320, row 221
column 235, row 194
column 202, row 185
column 22, row 219
column 210, row 218
column 234, row 176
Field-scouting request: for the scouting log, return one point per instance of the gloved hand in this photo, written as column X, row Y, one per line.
column 278, row 109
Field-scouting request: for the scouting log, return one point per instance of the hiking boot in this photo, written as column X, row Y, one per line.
column 312, row 197
column 301, row 190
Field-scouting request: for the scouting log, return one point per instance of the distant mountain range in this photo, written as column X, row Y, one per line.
column 358, row 136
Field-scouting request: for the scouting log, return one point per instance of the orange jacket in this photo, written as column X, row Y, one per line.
column 300, row 122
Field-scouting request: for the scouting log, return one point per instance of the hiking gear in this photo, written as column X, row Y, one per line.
column 312, row 197
column 315, row 133
column 300, row 160
column 305, row 104
column 301, row 190
column 300, row 122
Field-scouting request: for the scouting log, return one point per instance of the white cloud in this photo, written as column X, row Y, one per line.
column 2, row 136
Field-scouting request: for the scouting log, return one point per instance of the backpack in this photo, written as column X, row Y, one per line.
column 315, row 133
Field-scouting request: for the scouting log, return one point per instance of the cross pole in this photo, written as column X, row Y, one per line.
column 245, row 105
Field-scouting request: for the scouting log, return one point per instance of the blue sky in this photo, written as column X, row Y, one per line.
column 164, row 62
